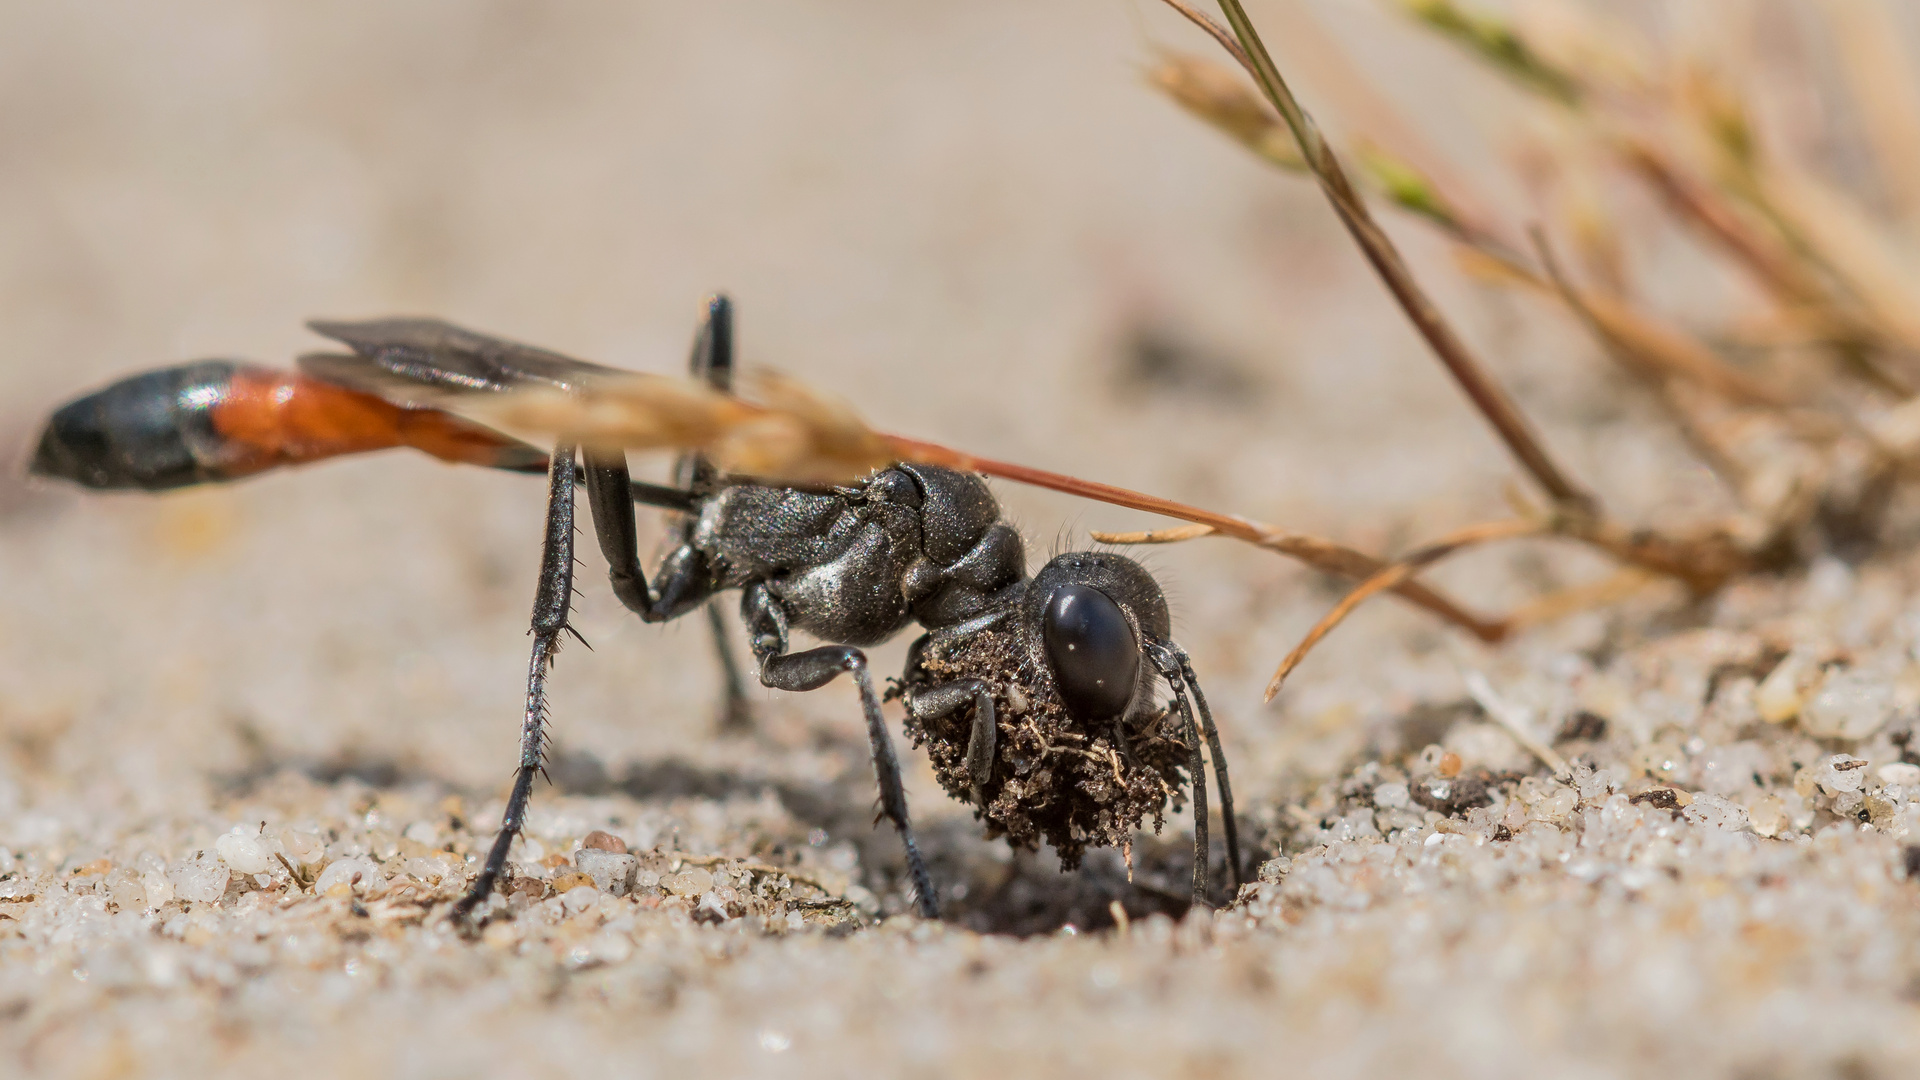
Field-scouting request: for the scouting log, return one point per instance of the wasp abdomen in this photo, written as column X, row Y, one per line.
column 218, row 420
column 151, row 432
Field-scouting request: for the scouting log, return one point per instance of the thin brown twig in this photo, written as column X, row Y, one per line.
column 1395, row 574
column 1879, row 72
column 1803, row 279
column 1774, row 268
column 1219, row 33
column 1643, row 343
column 1174, row 535
column 1691, row 428
column 1323, row 555
column 1326, row 66
column 1702, row 562
column 1561, row 603
column 1486, row 395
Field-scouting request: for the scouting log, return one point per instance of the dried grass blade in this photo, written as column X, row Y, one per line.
column 1156, row 536
column 1324, row 555
column 1562, row 603
column 1218, row 96
column 1220, row 34
column 1880, row 73
column 1393, row 575
column 1496, row 42
column 1702, row 562
column 1774, row 266
column 1644, row 344
column 1852, row 246
column 1492, row 401
column 1326, row 67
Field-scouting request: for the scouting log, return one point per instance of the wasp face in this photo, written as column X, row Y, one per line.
column 1095, row 613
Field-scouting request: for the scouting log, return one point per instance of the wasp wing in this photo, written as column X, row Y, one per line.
column 427, row 363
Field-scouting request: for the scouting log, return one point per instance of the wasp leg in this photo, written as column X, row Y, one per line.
column 736, row 714
column 712, row 362
column 1227, row 823
column 815, row 668
column 928, row 703
column 666, row 498
column 551, row 603
column 1169, row 668
column 713, row 349
column 683, row 581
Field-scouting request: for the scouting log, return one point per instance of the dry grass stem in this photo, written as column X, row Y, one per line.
column 1500, row 45
column 1174, row 535
column 1223, row 100
column 1486, row 395
column 1324, row 555
column 1703, row 561
column 1641, row 343
column 1325, row 65
column 1879, row 73
column 1392, row 575
column 1837, row 279
column 1697, row 205
column 1563, row 603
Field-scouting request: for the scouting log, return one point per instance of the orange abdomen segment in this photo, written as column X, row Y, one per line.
column 271, row 418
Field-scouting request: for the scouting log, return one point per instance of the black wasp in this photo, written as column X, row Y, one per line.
column 1037, row 696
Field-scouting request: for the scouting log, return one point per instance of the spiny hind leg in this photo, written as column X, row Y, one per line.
column 552, row 602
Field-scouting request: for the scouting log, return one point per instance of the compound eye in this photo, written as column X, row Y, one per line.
column 1092, row 650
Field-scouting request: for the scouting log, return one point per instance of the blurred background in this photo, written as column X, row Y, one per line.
column 977, row 222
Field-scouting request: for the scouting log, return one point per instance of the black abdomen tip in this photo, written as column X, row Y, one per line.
column 151, row 432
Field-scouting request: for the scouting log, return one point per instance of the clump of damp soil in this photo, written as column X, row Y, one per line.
column 1053, row 778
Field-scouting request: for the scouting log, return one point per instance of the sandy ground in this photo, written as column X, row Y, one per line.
column 965, row 218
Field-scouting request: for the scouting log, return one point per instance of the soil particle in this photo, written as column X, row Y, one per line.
column 599, row 840
column 1583, row 725
column 1053, row 777
column 1658, row 798
column 1457, row 795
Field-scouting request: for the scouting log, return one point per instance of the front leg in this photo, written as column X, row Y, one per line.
column 929, row 703
column 1169, row 667
column 815, row 668
column 551, row 603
